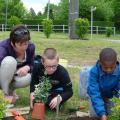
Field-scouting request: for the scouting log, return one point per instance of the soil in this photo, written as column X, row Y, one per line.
column 82, row 118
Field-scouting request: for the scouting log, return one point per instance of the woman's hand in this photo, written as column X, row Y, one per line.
column 23, row 70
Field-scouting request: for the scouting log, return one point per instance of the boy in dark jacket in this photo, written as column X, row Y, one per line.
column 58, row 75
column 104, row 82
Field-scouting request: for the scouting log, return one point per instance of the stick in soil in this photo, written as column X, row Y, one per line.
column 58, row 103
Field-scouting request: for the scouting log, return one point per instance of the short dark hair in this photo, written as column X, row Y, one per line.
column 108, row 54
column 19, row 33
column 50, row 53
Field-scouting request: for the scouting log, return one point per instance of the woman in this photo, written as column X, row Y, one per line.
column 16, row 60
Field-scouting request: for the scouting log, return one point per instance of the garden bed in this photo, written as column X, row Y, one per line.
column 82, row 118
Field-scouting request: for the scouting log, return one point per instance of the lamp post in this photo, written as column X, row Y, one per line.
column 92, row 9
column 6, row 10
column 48, row 11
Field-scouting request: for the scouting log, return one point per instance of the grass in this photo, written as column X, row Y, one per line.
column 77, row 52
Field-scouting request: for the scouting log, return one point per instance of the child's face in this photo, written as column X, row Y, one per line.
column 50, row 65
column 108, row 66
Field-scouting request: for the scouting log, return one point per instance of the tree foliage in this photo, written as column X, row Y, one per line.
column 117, row 13
column 107, row 10
column 14, row 8
column 13, row 20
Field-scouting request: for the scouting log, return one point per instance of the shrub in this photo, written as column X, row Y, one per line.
column 82, row 26
column 109, row 31
column 3, row 104
column 31, row 21
column 41, row 92
column 47, row 27
column 13, row 20
column 115, row 115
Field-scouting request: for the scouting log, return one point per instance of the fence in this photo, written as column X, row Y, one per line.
column 59, row 28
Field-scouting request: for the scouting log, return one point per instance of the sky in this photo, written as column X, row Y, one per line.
column 38, row 5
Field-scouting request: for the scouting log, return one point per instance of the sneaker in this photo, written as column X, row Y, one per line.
column 11, row 99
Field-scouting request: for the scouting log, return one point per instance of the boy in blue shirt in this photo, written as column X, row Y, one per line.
column 104, row 82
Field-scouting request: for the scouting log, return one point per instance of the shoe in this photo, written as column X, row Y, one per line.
column 11, row 99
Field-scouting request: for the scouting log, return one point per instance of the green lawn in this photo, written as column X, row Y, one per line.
column 77, row 52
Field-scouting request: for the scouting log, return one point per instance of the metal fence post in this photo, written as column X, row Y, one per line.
column 63, row 28
column 114, row 30
column 2, row 27
column 38, row 28
column 96, row 29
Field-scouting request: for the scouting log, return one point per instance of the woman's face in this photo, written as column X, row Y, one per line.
column 21, row 47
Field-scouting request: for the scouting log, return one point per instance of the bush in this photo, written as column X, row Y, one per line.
column 109, row 31
column 47, row 27
column 3, row 104
column 32, row 21
column 13, row 20
column 115, row 115
column 103, row 23
column 82, row 27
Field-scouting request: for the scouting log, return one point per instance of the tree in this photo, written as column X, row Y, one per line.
column 13, row 20
column 63, row 10
column 104, row 11
column 52, row 11
column 15, row 8
column 32, row 13
column 117, row 13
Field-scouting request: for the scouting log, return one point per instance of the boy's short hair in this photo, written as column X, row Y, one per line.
column 50, row 53
column 19, row 33
column 108, row 54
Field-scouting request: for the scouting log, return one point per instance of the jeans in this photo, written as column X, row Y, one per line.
column 108, row 105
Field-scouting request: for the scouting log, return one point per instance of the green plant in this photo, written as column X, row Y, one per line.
column 41, row 92
column 82, row 26
column 47, row 27
column 13, row 20
column 109, row 31
column 115, row 115
column 3, row 104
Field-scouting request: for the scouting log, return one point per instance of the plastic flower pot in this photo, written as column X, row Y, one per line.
column 38, row 111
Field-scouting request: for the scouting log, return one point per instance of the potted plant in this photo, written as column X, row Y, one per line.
column 41, row 94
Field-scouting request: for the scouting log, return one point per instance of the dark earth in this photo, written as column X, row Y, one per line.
column 82, row 118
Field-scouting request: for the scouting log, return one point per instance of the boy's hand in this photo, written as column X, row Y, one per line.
column 53, row 103
column 104, row 117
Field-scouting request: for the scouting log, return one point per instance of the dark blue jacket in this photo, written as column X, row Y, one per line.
column 103, row 85
column 6, row 49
